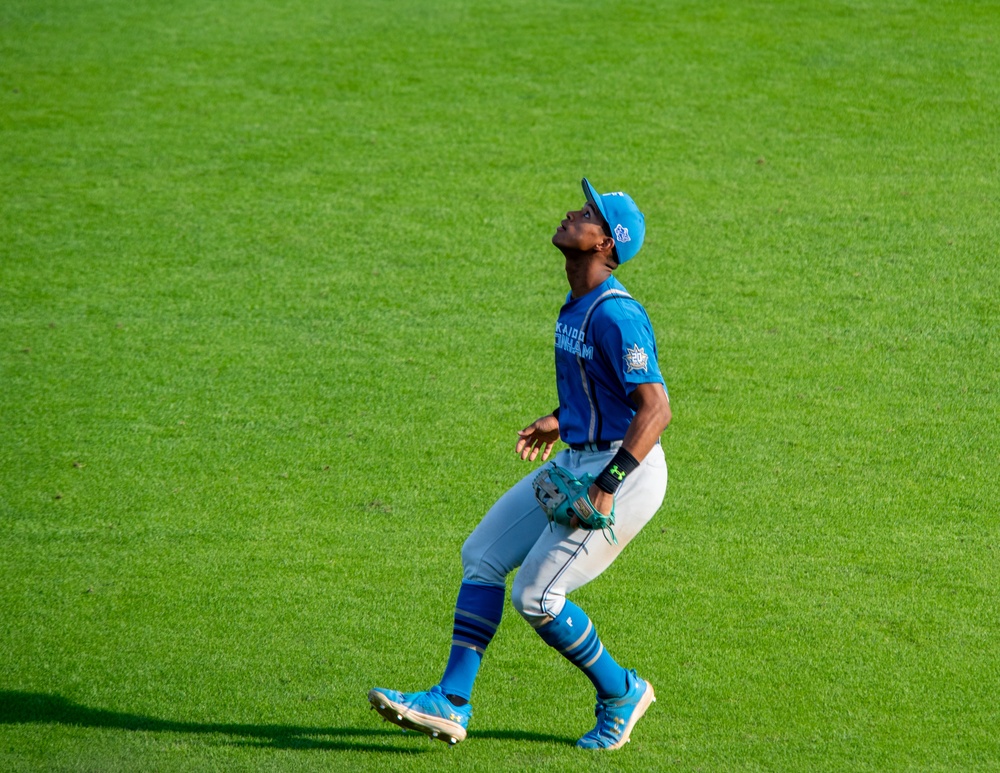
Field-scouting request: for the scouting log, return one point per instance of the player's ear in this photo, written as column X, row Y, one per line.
column 607, row 248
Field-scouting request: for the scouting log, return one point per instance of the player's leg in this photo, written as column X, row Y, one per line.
column 565, row 559
column 477, row 615
column 496, row 547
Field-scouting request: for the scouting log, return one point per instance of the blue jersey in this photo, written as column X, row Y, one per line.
column 604, row 349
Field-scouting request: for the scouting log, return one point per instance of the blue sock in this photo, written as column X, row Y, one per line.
column 477, row 615
column 572, row 633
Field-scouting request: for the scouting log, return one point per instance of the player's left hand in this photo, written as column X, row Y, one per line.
column 600, row 499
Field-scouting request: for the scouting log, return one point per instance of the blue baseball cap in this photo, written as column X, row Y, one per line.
column 625, row 222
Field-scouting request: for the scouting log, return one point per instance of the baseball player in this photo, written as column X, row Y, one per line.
column 563, row 526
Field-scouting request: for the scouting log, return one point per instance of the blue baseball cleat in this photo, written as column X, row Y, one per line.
column 430, row 713
column 617, row 716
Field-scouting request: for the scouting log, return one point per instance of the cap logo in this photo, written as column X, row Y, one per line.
column 621, row 234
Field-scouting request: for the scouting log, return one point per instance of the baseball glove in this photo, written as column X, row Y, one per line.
column 563, row 496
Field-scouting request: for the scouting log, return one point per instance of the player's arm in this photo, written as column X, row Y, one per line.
column 651, row 418
column 540, row 435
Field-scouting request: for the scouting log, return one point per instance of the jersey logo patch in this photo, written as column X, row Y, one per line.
column 636, row 359
column 621, row 234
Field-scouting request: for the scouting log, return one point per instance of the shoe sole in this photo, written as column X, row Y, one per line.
column 647, row 699
column 438, row 728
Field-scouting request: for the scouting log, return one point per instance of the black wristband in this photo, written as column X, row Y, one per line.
column 615, row 473
column 556, row 413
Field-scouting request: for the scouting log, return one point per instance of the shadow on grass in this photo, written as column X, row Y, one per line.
column 38, row 708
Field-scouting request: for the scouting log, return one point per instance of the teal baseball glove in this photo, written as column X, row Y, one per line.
column 563, row 496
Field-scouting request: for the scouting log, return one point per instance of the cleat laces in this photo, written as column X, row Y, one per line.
column 608, row 727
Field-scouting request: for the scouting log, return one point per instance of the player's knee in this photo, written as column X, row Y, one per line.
column 476, row 565
column 527, row 600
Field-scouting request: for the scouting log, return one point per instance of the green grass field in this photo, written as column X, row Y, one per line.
column 276, row 291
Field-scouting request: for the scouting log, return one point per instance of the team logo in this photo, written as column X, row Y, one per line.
column 636, row 359
column 621, row 234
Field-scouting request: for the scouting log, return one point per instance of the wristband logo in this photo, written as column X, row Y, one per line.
column 618, row 472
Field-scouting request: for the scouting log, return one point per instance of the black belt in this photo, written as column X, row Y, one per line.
column 603, row 445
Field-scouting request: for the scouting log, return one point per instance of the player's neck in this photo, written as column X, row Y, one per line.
column 585, row 272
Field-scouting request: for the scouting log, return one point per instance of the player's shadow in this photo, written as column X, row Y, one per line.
column 38, row 708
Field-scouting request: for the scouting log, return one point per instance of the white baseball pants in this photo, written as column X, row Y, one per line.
column 555, row 560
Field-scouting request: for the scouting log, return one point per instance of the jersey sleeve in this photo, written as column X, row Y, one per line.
column 629, row 347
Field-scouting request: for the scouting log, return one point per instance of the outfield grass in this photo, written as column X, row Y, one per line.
column 276, row 292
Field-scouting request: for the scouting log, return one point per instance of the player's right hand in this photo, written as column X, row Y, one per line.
column 540, row 435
